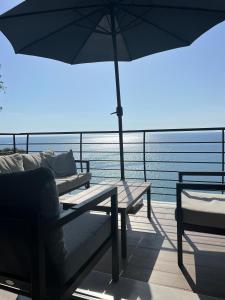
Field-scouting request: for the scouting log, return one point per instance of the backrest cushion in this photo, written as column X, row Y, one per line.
column 11, row 163
column 26, row 194
column 33, row 161
column 62, row 165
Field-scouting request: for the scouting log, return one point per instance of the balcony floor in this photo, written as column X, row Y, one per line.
column 151, row 269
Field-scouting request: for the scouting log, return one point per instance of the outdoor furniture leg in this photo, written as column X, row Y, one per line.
column 179, row 244
column 115, row 241
column 124, row 234
column 87, row 185
column 149, row 203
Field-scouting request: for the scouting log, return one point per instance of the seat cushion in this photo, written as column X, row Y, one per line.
column 82, row 237
column 204, row 209
column 69, row 183
column 11, row 163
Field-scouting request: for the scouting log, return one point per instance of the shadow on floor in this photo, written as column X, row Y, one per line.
column 140, row 262
column 209, row 275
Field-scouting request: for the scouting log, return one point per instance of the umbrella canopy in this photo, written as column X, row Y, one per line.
column 84, row 31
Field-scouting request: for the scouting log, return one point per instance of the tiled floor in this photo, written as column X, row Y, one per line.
column 153, row 258
column 151, row 270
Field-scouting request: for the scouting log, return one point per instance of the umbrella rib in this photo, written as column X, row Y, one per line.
column 132, row 24
column 125, row 42
column 41, row 12
column 126, row 45
column 92, row 22
column 96, row 30
column 56, row 31
column 173, row 7
column 157, row 26
column 85, row 41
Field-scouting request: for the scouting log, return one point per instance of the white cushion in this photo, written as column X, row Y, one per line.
column 11, row 163
column 62, row 165
column 33, row 161
column 203, row 209
column 66, row 184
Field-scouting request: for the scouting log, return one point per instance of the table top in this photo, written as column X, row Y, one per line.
column 129, row 192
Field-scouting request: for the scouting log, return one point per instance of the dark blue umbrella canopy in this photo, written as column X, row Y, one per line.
column 84, row 31
column 75, row 31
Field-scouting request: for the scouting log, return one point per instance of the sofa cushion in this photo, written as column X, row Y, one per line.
column 203, row 209
column 33, row 161
column 11, row 163
column 66, row 184
column 62, row 165
column 82, row 237
column 27, row 194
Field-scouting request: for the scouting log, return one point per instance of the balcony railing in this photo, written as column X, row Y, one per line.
column 150, row 155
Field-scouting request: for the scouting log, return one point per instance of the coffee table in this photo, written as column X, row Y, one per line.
column 129, row 193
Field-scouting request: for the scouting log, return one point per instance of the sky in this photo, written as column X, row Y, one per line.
column 182, row 88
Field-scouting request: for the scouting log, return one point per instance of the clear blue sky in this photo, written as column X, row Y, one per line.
column 178, row 88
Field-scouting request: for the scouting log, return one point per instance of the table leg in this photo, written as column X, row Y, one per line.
column 124, row 234
column 115, row 240
column 149, row 203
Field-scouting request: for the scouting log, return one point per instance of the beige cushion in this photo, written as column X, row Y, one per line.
column 34, row 160
column 62, row 165
column 67, row 184
column 203, row 209
column 31, row 161
column 11, row 163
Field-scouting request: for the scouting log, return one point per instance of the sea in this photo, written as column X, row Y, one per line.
column 166, row 153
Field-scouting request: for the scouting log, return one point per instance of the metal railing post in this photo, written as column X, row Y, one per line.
column 144, row 156
column 81, row 151
column 223, row 157
column 27, row 143
column 14, row 143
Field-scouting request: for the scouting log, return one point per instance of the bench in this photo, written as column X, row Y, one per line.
column 129, row 193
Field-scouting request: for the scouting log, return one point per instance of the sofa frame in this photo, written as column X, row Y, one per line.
column 36, row 288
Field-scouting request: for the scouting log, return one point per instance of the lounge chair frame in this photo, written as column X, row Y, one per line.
column 181, row 226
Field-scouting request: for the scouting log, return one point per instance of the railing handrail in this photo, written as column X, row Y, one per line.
column 116, row 131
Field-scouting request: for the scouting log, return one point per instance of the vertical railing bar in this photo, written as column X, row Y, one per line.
column 27, row 143
column 81, row 151
column 223, row 157
column 14, row 143
column 144, row 156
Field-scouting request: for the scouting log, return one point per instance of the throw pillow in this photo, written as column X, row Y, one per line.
column 62, row 165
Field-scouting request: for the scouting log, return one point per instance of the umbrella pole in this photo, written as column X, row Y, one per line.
column 119, row 109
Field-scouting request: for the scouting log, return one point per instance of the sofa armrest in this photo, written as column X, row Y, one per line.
column 181, row 174
column 79, row 209
column 87, row 162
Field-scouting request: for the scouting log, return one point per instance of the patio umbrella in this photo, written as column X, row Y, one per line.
column 84, row 31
